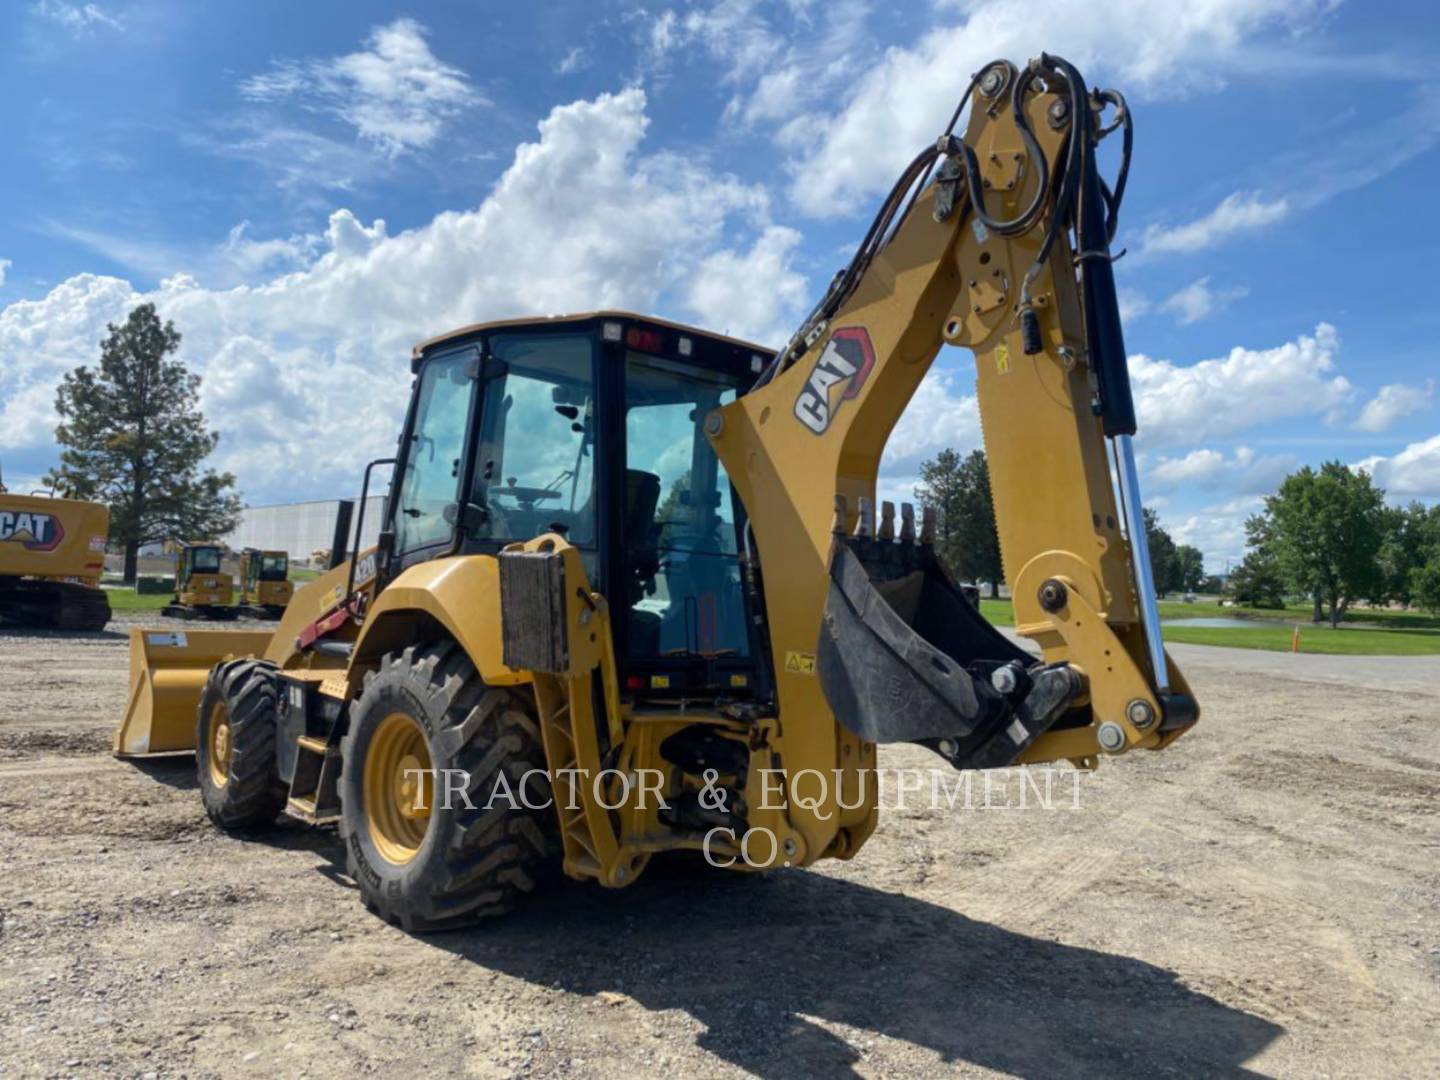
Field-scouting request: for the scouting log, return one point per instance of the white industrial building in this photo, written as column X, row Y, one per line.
column 302, row 528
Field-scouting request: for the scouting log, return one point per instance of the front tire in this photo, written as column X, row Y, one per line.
column 235, row 745
column 419, row 862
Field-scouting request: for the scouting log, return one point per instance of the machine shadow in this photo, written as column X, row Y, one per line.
column 754, row 959
column 173, row 770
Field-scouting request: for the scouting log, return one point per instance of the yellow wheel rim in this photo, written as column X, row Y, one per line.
column 218, row 744
column 398, row 788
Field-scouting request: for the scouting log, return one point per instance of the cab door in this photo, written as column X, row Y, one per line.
column 428, row 477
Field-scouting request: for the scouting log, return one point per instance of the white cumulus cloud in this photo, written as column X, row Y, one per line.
column 897, row 105
column 1413, row 473
column 1187, row 404
column 1392, row 403
column 306, row 372
column 724, row 297
column 1206, row 469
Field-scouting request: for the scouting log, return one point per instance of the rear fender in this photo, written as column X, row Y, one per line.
column 462, row 594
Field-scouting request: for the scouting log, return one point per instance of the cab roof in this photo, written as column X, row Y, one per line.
column 552, row 320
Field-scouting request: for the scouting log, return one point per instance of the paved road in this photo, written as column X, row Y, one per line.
column 1410, row 674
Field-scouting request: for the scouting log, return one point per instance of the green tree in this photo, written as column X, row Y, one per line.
column 966, row 534
column 133, row 436
column 1325, row 528
column 1425, row 584
column 1412, row 540
column 939, row 488
column 1164, row 565
column 1189, row 568
column 1258, row 581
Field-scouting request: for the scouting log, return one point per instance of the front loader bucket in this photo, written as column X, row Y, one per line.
column 167, row 673
column 903, row 656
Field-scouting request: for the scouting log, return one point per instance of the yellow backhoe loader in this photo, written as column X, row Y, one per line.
column 632, row 595
column 202, row 589
column 265, row 586
column 52, row 553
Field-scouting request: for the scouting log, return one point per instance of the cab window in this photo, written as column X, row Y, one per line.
column 435, row 446
column 535, row 455
column 681, row 539
column 205, row 560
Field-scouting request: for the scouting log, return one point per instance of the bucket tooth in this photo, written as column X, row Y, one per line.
column 865, row 525
column 927, row 525
column 887, row 521
column 907, row 523
column 842, row 514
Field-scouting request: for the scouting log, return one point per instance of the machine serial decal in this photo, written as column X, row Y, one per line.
column 37, row 532
column 847, row 355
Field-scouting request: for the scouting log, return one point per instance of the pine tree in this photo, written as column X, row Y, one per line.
column 134, row 437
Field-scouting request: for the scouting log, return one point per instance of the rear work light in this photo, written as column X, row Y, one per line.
column 645, row 340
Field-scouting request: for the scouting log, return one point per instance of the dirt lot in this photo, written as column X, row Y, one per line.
column 1263, row 897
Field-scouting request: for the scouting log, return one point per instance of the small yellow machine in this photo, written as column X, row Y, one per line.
column 202, row 589
column 265, row 586
column 52, row 553
column 632, row 594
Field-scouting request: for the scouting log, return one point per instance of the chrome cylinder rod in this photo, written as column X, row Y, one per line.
column 1140, row 560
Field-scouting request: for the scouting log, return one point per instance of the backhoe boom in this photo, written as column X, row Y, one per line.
column 984, row 258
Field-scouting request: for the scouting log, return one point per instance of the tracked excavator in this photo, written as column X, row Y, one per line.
column 617, row 548
column 265, row 586
column 52, row 553
column 203, row 590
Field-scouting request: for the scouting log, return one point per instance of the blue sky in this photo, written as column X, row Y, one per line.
column 305, row 189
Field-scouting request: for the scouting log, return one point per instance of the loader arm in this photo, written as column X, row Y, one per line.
column 864, row 621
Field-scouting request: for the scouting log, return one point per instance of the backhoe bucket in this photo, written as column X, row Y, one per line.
column 167, row 674
column 905, row 657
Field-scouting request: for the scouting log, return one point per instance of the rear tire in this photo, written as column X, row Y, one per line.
column 239, row 780
column 434, row 867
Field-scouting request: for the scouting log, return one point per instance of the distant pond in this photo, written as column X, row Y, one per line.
column 1218, row 623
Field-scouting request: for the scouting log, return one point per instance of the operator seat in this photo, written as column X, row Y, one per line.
column 642, row 547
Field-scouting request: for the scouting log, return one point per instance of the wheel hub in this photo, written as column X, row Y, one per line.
column 397, row 788
column 220, row 744
column 412, row 791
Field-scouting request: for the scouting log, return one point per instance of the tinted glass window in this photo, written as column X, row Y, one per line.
column 205, row 560
column 680, row 532
column 535, row 460
column 432, row 458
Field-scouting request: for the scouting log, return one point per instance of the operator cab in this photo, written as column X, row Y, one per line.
column 198, row 559
column 265, row 566
column 592, row 427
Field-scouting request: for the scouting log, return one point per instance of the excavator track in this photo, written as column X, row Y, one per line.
column 54, row 605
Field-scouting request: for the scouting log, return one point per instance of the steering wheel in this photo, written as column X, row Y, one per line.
column 526, row 496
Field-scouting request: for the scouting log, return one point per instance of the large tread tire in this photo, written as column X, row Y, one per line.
column 253, row 794
column 473, row 863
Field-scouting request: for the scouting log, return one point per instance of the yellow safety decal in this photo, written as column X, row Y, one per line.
column 739, row 680
column 1002, row 358
column 659, row 682
column 800, row 663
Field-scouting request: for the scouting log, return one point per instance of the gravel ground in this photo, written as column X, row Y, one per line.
column 1262, row 897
